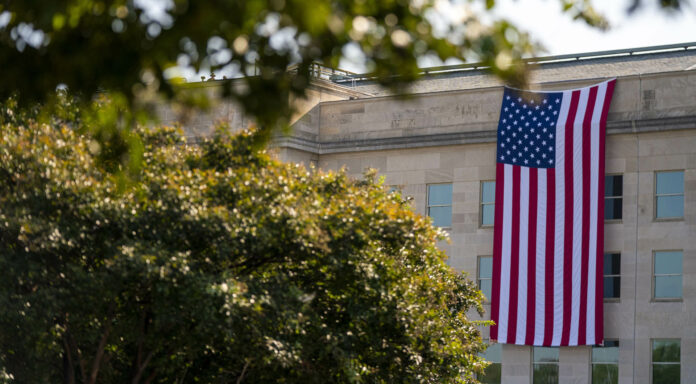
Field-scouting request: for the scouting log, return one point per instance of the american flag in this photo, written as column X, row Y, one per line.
column 549, row 217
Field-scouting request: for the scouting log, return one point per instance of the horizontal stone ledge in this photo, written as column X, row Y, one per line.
column 458, row 138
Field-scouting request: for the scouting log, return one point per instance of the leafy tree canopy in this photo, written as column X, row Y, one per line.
column 218, row 265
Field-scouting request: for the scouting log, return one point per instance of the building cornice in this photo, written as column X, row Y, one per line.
column 459, row 138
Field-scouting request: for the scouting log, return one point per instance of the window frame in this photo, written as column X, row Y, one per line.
column 556, row 363
column 655, row 196
column 487, row 299
column 489, row 344
column 652, row 278
column 428, row 206
column 592, row 363
column 652, row 363
column 482, row 204
column 615, row 197
column 604, row 275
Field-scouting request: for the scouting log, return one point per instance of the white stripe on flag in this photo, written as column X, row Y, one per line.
column 577, row 216
column 505, row 257
column 539, row 310
column 559, row 221
column 523, row 257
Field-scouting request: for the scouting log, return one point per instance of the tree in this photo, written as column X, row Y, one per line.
column 218, row 265
column 127, row 46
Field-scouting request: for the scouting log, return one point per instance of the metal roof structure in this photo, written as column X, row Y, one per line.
column 568, row 67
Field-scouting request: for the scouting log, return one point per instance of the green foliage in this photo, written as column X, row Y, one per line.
column 218, row 265
column 128, row 47
column 133, row 53
column 123, row 47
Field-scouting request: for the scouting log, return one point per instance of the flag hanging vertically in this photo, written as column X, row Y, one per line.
column 549, row 217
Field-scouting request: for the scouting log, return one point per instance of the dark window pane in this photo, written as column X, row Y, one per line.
column 668, row 287
column 488, row 192
column 613, row 209
column 668, row 262
column 605, row 373
column 612, row 287
column 488, row 214
column 670, row 182
column 494, row 353
column 670, row 206
column 485, row 267
column 612, row 263
column 613, row 185
column 545, row 374
column 609, row 353
column 440, row 194
column 442, row 216
column 611, row 343
column 666, row 374
column 485, row 286
column 492, row 374
column 545, row 354
column 666, row 351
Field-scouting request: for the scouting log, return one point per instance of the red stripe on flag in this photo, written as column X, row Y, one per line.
column 497, row 247
column 586, row 161
column 568, row 226
column 514, row 255
column 599, row 293
column 531, row 254
column 550, row 237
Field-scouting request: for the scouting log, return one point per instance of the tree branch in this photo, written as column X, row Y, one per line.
column 151, row 377
column 96, row 364
column 68, row 364
column 141, row 368
column 80, row 361
column 141, row 338
column 241, row 377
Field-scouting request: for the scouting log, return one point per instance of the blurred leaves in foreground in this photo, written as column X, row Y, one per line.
column 138, row 51
column 218, row 265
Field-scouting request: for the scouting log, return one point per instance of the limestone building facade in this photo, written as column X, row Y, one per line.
column 437, row 146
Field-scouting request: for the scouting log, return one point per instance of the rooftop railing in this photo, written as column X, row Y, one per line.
column 318, row 71
column 350, row 77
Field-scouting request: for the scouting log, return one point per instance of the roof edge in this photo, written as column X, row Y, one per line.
column 541, row 60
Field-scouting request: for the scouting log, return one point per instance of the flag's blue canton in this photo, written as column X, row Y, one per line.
column 527, row 128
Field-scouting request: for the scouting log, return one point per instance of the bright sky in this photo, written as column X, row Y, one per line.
column 559, row 34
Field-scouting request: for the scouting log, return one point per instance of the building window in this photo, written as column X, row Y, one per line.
column 487, row 203
column 667, row 275
column 669, row 195
column 440, row 204
column 612, row 275
column 485, row 275
column 605, row 363
column 666, row 361
column 613, row 197
column 493, row 373
column 545, row 365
